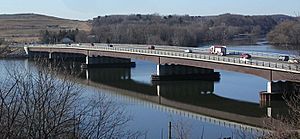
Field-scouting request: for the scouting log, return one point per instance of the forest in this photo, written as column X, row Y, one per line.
column 286, row 33
column 185, row 30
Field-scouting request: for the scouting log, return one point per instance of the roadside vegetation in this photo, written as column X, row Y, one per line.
column 51, row 37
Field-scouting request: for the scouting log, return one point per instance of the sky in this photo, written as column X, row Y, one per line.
column 88, row 9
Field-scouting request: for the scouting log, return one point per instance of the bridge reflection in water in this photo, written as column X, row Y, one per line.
column 194, row 99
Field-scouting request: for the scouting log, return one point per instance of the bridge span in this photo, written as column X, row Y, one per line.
column 267, row 68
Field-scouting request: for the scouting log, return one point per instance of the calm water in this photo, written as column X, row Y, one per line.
column 206, row 108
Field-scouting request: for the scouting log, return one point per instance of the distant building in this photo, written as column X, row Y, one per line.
column 91, row 38
column 67, row 40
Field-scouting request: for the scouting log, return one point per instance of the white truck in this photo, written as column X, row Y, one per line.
column 218, row 50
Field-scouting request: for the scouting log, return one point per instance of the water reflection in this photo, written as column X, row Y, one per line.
column 192, row 96
column 193, row 99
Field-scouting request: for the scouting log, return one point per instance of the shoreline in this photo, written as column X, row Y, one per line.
column 7, row 52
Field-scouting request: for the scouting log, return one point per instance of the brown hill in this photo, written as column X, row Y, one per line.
column 27, row 27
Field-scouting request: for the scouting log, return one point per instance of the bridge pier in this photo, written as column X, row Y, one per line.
column 102, row 61
column 269, row 87
column 276, row 90
column 158, row 90
column 180, row 72
column 87, row 75
column 50, row 56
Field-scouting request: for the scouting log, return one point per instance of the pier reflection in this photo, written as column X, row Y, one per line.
column 191, row 96
column 194, row 99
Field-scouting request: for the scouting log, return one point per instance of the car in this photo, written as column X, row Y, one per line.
column 294, row 61
column 110, row 45
column 283, row 58
column 188, row 50
column 245, row 60
column 245, row 56
column 151, row 47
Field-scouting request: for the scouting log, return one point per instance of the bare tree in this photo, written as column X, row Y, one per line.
column 46, row 104
column 287, row 126
column 182, row 129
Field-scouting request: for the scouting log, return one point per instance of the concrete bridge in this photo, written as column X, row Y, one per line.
column 166, row 57
column 198, row 100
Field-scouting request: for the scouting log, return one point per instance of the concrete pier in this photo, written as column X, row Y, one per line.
column 277, row 90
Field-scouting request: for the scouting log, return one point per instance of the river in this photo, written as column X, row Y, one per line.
column 206, row 109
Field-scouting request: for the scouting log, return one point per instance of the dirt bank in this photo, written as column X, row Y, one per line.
column 12, row 52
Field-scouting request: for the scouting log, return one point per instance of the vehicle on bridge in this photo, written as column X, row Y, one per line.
column 218, row 50
column 245, row 56
column 283, row 58
column 151, row 47
column 294, row 61
column 188, row 51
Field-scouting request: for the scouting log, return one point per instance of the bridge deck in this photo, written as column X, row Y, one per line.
column 172, row 55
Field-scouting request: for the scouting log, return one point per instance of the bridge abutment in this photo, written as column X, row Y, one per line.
column 180, row 72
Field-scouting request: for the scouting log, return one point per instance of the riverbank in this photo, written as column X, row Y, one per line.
column 12, row 52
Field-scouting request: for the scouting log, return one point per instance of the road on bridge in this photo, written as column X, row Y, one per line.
column 260, row 57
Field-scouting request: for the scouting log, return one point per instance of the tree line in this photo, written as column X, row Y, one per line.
column 170, row 30
column 181, row 30
column 286, row 33
column 52, row 37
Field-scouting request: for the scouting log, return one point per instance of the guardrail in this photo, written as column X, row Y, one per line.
column 265, row 55
column 178, row 48
column 295, row 68
column 253, row 53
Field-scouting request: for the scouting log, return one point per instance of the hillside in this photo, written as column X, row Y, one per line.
column 27, row 27
column 184, row 30
column 141, row 29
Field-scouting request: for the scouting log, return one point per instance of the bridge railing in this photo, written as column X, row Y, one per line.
column 180, row 49
column 263, row 54
column 195, row 56
column 253, row 53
